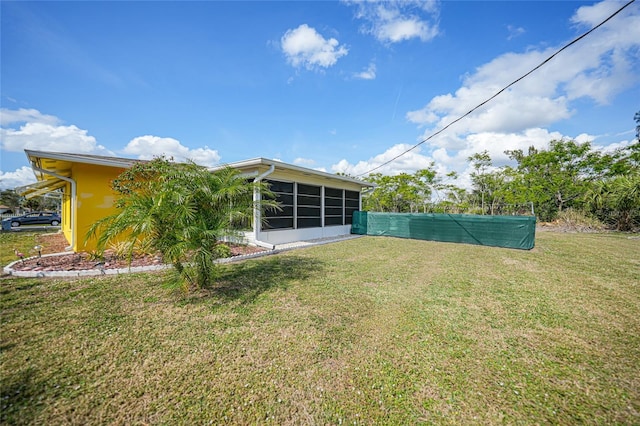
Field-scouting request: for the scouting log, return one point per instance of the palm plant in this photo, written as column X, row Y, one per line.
column 618, row 197
column 182, row 211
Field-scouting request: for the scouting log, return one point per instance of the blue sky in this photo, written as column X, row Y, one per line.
column 336, row 86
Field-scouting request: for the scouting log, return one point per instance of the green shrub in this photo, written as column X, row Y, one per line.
column 223, row 250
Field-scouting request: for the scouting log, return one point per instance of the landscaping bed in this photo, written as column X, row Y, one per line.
column 56, row 243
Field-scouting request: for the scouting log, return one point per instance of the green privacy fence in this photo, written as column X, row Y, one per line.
column 497, row 231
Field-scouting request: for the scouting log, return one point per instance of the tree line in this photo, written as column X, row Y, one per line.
column 566, row 175
column 11, row 199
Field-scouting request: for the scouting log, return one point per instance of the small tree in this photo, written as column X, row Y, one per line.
column 555, row 178
column 180, row 210
column 10, row 198
column 404, row 193
column 487, row 183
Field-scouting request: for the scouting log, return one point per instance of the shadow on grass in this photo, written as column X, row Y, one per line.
column 18, row 395
column 244, row 282
column 18, row 284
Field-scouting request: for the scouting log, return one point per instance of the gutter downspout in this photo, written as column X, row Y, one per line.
column 257, row 219
column 73, row 201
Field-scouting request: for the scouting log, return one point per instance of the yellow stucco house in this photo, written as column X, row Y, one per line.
column 314, row 204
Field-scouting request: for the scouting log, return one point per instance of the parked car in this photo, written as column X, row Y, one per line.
column 34, row 218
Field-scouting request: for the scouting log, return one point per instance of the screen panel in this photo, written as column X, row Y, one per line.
column 280, row 218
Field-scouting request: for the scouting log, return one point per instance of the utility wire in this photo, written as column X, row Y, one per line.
column 501, row 90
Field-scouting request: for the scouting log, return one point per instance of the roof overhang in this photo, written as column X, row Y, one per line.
column 40, row 188
column 60, row 162
column 248, row 167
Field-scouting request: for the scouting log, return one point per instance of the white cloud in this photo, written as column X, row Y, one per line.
column 368, row 74
column 38, row 131
column 304, row 162
column 454, row 152
column 30, row 129
column 399, row 20
column 22, row 176
column 597, row 68
column 515, row 113
column 614, row 74
column 309, row 163
column 147, row 147
column 23, row 115
column 398, row 30
column 584, row 137
column 496, row 143
column 409, row 163
column 304, row 46
column 606, row 149
column 422, row 116
column 590, row 16
column 514, row 32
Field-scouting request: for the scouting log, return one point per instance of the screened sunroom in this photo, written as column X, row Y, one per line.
column 313, row 204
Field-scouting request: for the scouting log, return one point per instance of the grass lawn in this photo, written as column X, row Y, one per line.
column 373, row 330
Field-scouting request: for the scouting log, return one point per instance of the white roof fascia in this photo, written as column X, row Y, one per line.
column 280, row 165
column 127, row 163
column 80, row 158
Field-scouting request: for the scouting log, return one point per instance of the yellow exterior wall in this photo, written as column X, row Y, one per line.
column 95, row 199
column 65, row 226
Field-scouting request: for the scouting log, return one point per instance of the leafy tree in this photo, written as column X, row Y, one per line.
column 406, row 194
column 45, row 202
column 625, row 160
column 565, row 175
column 10, row 198
column 426, row 181
column 487, row 183
column 447, row 192
column 555, row 178
column 401, row 193
column 180, row 210
column 388, row 196
column 481, row 163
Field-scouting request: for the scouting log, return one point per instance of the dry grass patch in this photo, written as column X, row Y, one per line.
column 372, row 330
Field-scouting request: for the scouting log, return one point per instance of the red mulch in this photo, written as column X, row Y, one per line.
column 56, row 243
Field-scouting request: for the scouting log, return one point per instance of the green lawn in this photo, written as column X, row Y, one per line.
column 372, row 330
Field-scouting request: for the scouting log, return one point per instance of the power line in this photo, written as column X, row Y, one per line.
column 574, row 41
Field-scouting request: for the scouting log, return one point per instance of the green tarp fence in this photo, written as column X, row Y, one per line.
column 498, row 231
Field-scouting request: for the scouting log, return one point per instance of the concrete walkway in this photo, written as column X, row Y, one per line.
column 309, row 243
